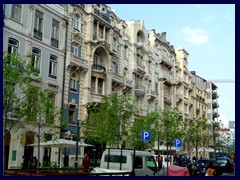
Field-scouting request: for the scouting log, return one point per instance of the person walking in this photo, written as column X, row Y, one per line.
column 86, row 163
column 211, row 171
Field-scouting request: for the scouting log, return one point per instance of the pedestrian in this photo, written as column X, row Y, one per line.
column 86, row 163
column 24, row 162
column 34, row 163
column 211, row 171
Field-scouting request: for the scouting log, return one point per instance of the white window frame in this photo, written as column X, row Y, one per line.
column 14, row 47
column 77, row 22
column 55, row 29
column 37, row 58
column 114, row 45
column 53, row 67
column 73, row 83
column 38, row 24
column 17, row 12
column 115, row 68
column 76, row 48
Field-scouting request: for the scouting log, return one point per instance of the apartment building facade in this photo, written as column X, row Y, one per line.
column 38, row 30
column 86, row 51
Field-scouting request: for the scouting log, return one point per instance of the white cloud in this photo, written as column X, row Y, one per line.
column 195, row 36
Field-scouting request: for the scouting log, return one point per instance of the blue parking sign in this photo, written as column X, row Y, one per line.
column 146, row 135
column 177, row 143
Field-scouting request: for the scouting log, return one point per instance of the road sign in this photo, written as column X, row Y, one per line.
column 146, row 135
column 178, row 149
column 177, row 143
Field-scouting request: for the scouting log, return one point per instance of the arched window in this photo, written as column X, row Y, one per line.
column 73, row 83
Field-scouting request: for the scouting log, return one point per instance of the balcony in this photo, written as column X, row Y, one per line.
column 178, row 80
column 151, row 94
column 215, row 114
column 96, row 98
column 167, row 76
column 37, row 34
column 98, row 67
column 54, row 42
column 116, row 79
column 179, row 97
column 167, row 99
column 190, row 102
column 166, row 61
column 139, row 69
column 215, row 95
column 101, row 15
column 215, row 104
column 139, row 90
column 127, row 84
column 76, row 62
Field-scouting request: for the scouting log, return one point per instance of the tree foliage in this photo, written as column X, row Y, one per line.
column 110, row 120
column 150, row 122
column 172, row 126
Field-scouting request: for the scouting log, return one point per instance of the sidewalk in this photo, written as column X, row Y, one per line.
column 163, row 171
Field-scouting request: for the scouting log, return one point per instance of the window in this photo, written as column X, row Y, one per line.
column 93, row 84
column 38, row 25
column 185, row 77
column 12, row 46
column 71, row 114
column 115, row 68
column 73, row 83
column 100, row 86
column 36, row 59
column 55, row 33
column 76, row 49
column 53, row 67
column 97, row 59
column 185, row 92
column 17, row 12
column 114, row 45
column 151, row 163
column 115, row 159
column 77, row 22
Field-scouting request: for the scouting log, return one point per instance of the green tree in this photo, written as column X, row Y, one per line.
column 171, row 121
column 150, row 122
column 196, row 132
column 109, row 121
column 23, row 104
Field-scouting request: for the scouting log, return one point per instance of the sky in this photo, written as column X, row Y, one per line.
column 206, row 31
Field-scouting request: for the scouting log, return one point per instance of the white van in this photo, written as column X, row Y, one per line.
column 143, row 164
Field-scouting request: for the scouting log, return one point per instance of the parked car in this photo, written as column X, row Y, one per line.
column 225, row 164
column 203, row 164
